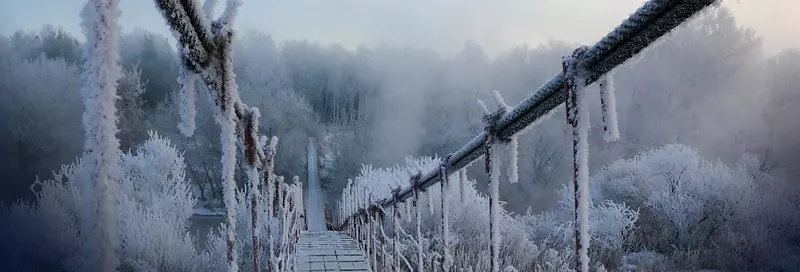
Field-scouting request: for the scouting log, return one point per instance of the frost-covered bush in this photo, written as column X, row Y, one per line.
column 610, row 227
column 153, row 211
column 469, row 220
column 273, row 230
column 668, row 208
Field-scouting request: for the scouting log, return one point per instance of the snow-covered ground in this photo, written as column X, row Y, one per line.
column 316, row 214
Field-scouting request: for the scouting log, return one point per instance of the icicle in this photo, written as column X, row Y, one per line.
column 483, row 106
column 231, row 10
column 429, row 201
column 513, row 155
column 208, row 7
column 463, row 184
column 447, row 261
column 407, row 208
column 187, row 98
column 100, row 75
column 608, row 103
column 500, row 100
column 578, row 118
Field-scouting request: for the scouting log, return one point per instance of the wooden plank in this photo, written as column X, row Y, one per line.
column 329, row 251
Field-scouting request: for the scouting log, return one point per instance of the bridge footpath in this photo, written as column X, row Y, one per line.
column 318, row 248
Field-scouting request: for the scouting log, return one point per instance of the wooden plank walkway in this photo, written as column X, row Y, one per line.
column 329, row 251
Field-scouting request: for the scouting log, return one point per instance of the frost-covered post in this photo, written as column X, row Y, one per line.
column 418, row 219
column 381, row 214
column 269, row 171
column 252, row 150
column 578, row 119
column 101, row 72
column 395, row 229
column 447, row 260
column 493, row 170
column 373, row 234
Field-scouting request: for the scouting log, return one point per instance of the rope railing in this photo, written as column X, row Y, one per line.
column 649, row 23
column 585, row 66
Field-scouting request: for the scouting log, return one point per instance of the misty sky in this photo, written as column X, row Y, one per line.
column 443, row 25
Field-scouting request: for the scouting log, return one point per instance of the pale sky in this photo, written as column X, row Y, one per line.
column 443, row 25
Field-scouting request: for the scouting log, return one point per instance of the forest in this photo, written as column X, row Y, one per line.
column 703, row 176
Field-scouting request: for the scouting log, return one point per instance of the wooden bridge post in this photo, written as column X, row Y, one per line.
column 418, row 233
column 395, row 240
column 445, row 266
column 572, row 87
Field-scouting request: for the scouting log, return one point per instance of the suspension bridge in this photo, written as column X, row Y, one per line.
column 358, row 238
column 319, row 249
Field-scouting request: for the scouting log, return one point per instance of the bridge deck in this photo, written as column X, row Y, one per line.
column 329, row 251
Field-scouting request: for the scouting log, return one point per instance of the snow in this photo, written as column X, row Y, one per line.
column 608, row 103
column 102, row 70
column 316, row 213
column 187, row 100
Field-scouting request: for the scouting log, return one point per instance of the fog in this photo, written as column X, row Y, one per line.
column 401, row 80
column 379, row 83
column 441, row 25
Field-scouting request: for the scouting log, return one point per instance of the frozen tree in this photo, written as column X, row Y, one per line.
column 101, row 72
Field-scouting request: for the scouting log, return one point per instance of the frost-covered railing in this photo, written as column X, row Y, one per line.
column 360, row 214
column 205, row 50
